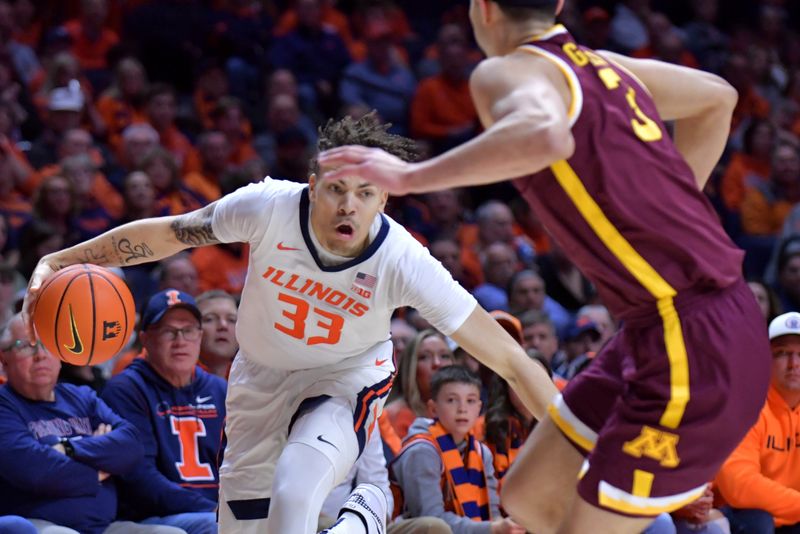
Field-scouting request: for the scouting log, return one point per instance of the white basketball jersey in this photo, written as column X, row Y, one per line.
column 296, row 312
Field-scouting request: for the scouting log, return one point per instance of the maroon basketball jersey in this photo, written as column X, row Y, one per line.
column 625, row 207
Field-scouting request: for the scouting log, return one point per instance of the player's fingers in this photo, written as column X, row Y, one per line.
column 344, row 171
column 343, row 155
column 27, row 318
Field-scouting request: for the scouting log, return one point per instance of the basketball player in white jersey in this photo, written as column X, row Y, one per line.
column 327, row 269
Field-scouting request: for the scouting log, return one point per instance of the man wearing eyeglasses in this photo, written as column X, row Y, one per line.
column 179, row 410
column 60, row 444
column 761, row 478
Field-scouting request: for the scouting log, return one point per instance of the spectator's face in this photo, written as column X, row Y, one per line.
column 95, row 11
column 762, row 297
column 402, row 334
column 160, row 174
column 283, row 113
column 178, row 356
column 214, row 83
column 498, row 226
column 82, row 177
column 161, row 111
column 527, row 294
column 541, row 337
column 29, row 369
column 432, row 354
column 230, row 123
column 449, row 254
column 132, row 80
column 61, row 121
column 444, row 206
column 500, row 265
column 762, row 141
column 139, row 192
column 282, row 82
column 583, row 343
column 181, row 275
column 76, row 142
column 219, row 328
column 457, row 406
column 57, row 197
column 309, row 14
column 786, row 364
column 786, row 166
column 790, row 276
column 342, row 212
column 137, row 145
column 215, row 151
column 603, row 320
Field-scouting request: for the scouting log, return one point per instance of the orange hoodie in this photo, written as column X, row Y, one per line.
column 764, row 470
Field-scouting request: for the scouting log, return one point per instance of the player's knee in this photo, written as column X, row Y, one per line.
column 543, row 517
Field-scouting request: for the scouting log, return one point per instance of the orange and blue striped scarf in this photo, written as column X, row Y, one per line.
column 466, row 482
column 503, row 454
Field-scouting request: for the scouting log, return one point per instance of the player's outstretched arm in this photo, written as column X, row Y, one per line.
column 482, row 337
column 700, row 103
column 524, row 112
column 140, row 241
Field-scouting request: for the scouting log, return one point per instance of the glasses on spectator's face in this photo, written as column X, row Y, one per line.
column 21, row 349
column 189, row 333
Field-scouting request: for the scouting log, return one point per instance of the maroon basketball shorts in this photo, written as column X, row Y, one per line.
column 666, row 401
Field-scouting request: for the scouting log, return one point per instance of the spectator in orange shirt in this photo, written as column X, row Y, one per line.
column 161, row 110
column 211, row 86
column 218, row 346
column 91, row 40
column 329, row 15
column 442, row 111
column 222, row 267
column 214, row 154
column 750, row 105
column 121, row 104
column 408, row 400
column 172, row 196
column 750, row 166
column 766, row 205
column 92, row 189
column 65, row 106
column 761, row 478
column 13, row 206
column 28, row 24
column 228, row 118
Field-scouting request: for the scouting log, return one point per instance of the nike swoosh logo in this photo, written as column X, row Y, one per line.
column 77, row 344
column 323, row 440
column 201, row 400
column 380, row 362
column 281, row 246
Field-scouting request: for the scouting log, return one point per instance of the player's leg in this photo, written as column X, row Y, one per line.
column 321, row 449
column 546, row 470
column 583, row 517
column 258, row 414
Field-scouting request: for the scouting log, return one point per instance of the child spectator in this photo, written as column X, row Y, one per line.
column 443, row 470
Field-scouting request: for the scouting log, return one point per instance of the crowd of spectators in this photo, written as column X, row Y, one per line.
column 114, row 111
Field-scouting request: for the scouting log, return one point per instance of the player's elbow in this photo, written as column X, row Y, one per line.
column 556, row 140
column 721, row 94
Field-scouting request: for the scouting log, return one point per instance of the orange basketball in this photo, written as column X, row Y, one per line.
column 84, row 314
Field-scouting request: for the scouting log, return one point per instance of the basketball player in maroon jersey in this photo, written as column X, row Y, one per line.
column 581, row 132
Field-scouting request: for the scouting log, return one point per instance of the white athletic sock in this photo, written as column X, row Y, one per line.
column 348, row 523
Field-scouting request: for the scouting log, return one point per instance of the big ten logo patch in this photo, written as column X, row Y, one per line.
column 656, row 445
column 111, row 329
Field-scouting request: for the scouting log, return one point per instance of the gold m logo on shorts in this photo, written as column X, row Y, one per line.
column 655, row 444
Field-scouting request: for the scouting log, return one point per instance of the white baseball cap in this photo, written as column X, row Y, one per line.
column 785, row 325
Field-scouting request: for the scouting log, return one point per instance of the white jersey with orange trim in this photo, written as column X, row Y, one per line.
column 298, row 313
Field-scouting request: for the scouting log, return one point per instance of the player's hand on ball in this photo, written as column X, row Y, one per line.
column 41, row 273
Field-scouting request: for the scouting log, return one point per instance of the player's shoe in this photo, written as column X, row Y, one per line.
column 367, row 502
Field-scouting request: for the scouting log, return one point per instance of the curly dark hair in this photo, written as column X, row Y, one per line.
column 365, row 131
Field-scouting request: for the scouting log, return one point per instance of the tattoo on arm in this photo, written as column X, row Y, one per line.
column 97, row 257
column 127, row 252
column 194, row 228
